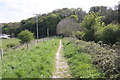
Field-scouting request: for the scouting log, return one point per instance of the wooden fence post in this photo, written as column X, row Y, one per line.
column 1, row 54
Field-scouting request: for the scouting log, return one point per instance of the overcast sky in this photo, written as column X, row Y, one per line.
column 17, row 10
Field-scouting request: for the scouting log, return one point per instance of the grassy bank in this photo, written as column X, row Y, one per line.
column 37, row 62
column 80, row 62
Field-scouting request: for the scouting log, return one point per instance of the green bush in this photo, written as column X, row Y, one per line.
column 110, row 34
column 78, row 34
column 26, row 36
column 74, row 17
column 105, row 58
column 10, row 45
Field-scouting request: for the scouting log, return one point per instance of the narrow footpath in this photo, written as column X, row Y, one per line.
column 62, row 68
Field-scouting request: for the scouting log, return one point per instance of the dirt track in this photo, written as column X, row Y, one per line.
column 62, row 68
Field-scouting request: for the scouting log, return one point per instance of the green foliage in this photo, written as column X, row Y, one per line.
column 78, row 34
column 51, row 23
column 10, row 45
column 11, row 28
column 101, row 9
column 95, row 30
column 105, row 57
column 5, row 42
column 45, row 21
column 37, row 62
column 26, row 36
column 74, row 17
column 92, row 22
column 110, row 15
column 110, row 34
column 80, row 62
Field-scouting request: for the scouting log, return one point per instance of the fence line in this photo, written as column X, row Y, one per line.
column 31, row 43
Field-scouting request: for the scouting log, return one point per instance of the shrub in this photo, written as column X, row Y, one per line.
column 78, row 34
column 74, row 17
column 10, row 45
column 110, row 34
column 104, row 57
column 26, row 36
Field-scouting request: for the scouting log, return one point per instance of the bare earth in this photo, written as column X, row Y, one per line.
column 62, row 68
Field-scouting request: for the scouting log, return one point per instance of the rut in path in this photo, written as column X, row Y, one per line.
column 62, row 68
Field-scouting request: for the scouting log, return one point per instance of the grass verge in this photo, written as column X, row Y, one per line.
column 80, row 62
column 37, row 62
column 5, row 42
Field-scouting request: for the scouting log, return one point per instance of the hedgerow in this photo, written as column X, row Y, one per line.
column 106, row 59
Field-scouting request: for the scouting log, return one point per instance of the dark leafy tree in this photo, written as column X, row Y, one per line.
column 92, row 22
column 110, row 34
column 110, row 15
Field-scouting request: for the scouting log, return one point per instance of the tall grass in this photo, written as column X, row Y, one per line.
column 5, row 42
column 37, row 62
column 80, row 62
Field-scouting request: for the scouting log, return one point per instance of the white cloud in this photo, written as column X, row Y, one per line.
column 16, row 10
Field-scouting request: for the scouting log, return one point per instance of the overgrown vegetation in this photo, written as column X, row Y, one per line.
column 105, row 58
column 109, row 34
column 96, row 30
column 86, row 59
column 80, row 62
column 37, row 62
column 10, row 45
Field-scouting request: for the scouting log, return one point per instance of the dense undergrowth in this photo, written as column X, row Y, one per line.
column 37, row 62
column 80, row 62
column 105, row 58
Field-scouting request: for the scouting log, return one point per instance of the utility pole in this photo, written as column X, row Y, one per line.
column 37, row 25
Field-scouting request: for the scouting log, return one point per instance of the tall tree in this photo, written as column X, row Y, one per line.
column 92, row 22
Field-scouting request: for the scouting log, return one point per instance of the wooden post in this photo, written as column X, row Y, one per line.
column 47, row 32
column 1, row 54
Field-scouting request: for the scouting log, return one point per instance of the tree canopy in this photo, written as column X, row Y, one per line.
column 93, row 22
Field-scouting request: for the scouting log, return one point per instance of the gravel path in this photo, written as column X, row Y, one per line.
column 62, row 68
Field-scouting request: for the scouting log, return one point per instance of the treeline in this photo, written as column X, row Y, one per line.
column 99, row 24
column 45, row 21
